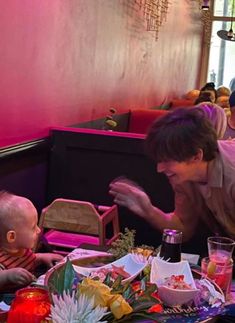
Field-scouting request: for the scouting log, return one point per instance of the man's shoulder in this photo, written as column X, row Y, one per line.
column 227, row 148
column 226, row 144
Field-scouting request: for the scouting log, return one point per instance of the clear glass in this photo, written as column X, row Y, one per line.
column 222, row 56
column 220, row 274
column 220, row 249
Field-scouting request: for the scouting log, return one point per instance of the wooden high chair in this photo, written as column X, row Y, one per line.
column 66, row 224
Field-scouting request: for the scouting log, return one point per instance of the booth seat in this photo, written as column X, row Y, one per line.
column 177, row 103
column 141, row 119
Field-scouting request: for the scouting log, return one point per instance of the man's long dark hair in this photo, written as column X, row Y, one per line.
column 180, row 134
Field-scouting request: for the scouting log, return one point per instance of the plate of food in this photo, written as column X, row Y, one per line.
column 127, row 267
column 207, row 302
column 175, row 281
column 187, row 295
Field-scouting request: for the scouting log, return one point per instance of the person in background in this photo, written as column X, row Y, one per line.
column 230, row 129
column 222, row 100
column 223, row 91
column 18, row 235
column 192, row 95
column 200, row 169
column 232, row 84
column 216, row 115
column 210, row 87
column 204, row 96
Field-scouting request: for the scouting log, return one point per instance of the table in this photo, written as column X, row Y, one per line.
column 88, row 253
column 83, row 253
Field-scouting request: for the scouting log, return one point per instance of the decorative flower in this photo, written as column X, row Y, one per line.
column 95, row 288
column 158, row 308
column 69, row 309
column 103, row 297
column 119, row 306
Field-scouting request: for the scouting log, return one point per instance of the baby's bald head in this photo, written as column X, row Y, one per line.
column 12, row 213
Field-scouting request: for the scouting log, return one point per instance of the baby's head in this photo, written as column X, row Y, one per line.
column 18, row 222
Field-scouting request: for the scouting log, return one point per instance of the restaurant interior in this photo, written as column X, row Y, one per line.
column 81, row 81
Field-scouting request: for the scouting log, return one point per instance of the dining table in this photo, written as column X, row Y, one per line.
column 83, row 253
column 87, row 252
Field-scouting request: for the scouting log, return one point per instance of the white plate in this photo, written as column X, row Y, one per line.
column 131, row 264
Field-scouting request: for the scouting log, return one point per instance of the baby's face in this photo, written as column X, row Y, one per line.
column 27, row 230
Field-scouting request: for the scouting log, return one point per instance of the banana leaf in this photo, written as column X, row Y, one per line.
column 62, row 279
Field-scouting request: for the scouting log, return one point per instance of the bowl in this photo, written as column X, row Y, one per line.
column 174, row 297
column 131, row 264
column 161, row 270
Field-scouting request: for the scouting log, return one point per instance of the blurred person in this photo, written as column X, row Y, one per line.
column 232, row 84
column 204, row 96
column 200, row 169
column 216, row 116
column 223, row 91
column 210, row 87
column 192, row 95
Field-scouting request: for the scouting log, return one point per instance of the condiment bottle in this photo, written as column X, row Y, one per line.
column 171, row 245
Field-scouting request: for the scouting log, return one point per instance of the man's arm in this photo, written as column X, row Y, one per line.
column 135, row 199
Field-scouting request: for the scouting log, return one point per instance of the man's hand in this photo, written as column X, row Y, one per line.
column 49, row 259
column 129, row 194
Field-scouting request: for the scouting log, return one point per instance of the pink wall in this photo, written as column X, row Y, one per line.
column 67, row 61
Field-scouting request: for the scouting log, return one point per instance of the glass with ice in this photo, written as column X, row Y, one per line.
column 219, row 264
column 220, row 274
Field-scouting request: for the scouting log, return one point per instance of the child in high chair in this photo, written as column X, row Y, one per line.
column 18, row 235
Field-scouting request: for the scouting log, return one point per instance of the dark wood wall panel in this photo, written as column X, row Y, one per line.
column 24, row 170
column 83, row 164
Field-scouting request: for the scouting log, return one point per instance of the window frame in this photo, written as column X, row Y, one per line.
column 206, row 42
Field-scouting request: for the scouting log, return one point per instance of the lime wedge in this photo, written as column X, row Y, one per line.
column 211, row 268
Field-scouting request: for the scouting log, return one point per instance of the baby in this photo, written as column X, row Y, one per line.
column 18, row 235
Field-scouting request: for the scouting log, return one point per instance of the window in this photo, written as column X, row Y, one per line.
column 221, row 67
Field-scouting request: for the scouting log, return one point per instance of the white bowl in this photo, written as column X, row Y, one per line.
column 132, row 266
column 161, row 270
column 174, row 297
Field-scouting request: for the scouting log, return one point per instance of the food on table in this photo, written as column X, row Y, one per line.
column 114, row 271
column 143, row 251
column 211, row 269
column 176, row 282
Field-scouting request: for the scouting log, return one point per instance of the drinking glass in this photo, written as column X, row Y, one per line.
column 220, row 249
column 220, row 273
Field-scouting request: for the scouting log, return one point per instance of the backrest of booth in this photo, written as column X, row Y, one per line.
column 83, row 162
column 140, row 120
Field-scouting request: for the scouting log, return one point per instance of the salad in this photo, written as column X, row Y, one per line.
column 176, row 282
column 113, row 271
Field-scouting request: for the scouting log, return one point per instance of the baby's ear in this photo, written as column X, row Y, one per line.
column 11, row 236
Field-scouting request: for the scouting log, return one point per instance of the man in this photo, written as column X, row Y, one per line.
column 200, row 169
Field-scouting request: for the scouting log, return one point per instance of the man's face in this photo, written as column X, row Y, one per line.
column 27, row 233
column 178, row 172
